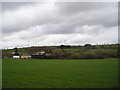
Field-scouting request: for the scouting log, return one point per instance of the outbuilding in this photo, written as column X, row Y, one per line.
column 38, row 55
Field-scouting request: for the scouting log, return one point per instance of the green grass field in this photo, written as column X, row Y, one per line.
column 32, row 73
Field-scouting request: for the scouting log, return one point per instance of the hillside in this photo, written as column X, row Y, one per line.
column 70, row 52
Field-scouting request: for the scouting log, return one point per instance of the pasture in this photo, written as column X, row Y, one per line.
column 56, row 73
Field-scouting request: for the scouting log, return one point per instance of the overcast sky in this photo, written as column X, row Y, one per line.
column 56, row 23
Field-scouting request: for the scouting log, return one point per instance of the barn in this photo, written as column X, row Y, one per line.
column 39, row 55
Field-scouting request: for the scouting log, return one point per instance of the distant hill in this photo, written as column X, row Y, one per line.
column 68, row 51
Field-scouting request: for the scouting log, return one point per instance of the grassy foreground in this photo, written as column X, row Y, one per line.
column 27, row 73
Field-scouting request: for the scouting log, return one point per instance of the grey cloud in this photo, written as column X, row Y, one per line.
column 14, row 5
column 104, row 13
column 56, row 22
column 76, row 22
column 23, row 18
column 76, row 7
column 94, row 19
